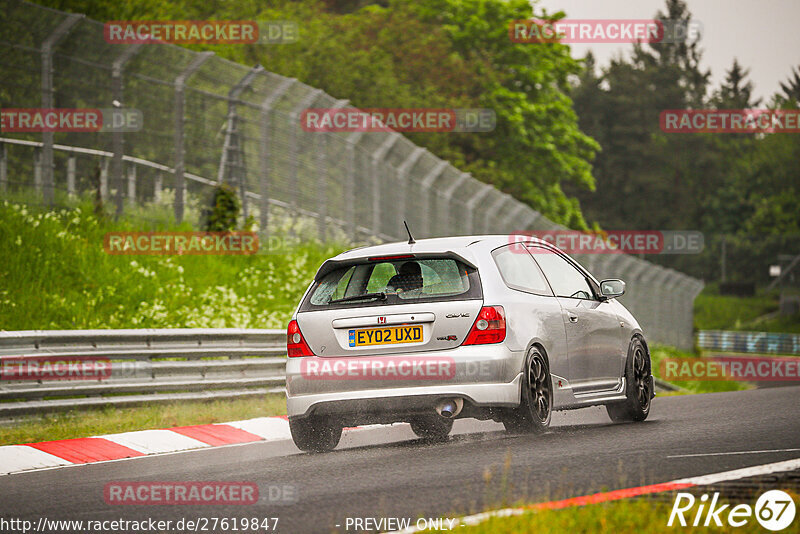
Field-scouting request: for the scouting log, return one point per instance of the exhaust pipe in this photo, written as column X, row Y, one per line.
column 449, row 408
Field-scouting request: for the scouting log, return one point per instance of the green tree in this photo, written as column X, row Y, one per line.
column 644, row 179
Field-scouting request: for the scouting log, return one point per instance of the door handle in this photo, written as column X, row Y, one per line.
column 573, row 318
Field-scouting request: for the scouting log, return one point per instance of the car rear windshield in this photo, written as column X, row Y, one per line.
column 395, row 282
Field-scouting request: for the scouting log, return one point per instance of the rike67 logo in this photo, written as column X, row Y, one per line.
column 774, row 510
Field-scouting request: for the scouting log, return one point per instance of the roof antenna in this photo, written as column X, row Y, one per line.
column 410, row 237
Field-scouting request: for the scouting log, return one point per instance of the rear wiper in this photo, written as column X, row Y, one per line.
column 380, row 295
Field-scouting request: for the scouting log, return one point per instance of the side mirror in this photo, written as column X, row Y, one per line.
column 612, row 288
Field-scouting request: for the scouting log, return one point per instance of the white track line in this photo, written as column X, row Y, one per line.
column 767, row 451
column 736, row 474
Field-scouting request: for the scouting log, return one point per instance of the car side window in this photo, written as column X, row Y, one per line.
column 564, row 278
column 519, row 271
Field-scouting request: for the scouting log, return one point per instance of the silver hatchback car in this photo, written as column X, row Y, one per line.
column 487, row 327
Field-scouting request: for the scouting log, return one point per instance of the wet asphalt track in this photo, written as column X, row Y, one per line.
column 387, row 472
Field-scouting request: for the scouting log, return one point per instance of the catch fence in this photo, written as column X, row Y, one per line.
column 209, row 120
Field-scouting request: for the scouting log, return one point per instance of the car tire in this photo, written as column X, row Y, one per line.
column 536, row 403
column 432, row 428
column 315, row 434
column 638, row 386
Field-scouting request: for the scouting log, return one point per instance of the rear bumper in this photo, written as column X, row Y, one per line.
column 484, row 376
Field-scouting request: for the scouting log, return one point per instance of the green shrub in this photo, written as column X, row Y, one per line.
column 223, row 214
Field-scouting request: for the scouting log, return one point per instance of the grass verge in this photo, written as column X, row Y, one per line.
column 658, row 353
column 630, row 515
column 110, row 420
column 56, row 275
column 722, row 312
column 780, row 324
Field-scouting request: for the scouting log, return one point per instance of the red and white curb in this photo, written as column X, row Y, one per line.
column 627, row 493
column 67, row 452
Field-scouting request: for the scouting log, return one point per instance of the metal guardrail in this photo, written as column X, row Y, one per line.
column 663, row 385
column 749, row 342
column 144, row 366
column 141, row 367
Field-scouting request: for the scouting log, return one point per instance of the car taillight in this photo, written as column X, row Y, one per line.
column 489, row 327
column 295, row 343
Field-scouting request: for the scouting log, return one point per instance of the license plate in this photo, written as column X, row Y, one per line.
column 390, row 335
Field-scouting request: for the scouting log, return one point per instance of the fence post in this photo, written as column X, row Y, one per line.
column 104, row 180
column 616, row 265
column 264, row 153
column 232, row 162
column 648, row 316
column 427, row 184
column 493, row 210
column 71, row 175
column 117, row 138
column 46, row 164
column 448, row 196
column 294, row 125
column 660, row 305
column 3, row 167
column 636, row 290
column 180, row 120
column 672, row 281
column 684, row 326
column 377, row 156
column 132, row 184
column 323, row 178
column 37, row 169
column 158, row 184
column 402, row 174
column 512, row 216
column 472, row 203
column 531, row 217
column 350, row 184
column 694, row 289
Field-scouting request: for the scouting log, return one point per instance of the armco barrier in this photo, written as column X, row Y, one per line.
column 143, row 366
column 749, row 342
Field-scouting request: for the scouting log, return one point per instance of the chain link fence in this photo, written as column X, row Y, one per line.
column 209, row 120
